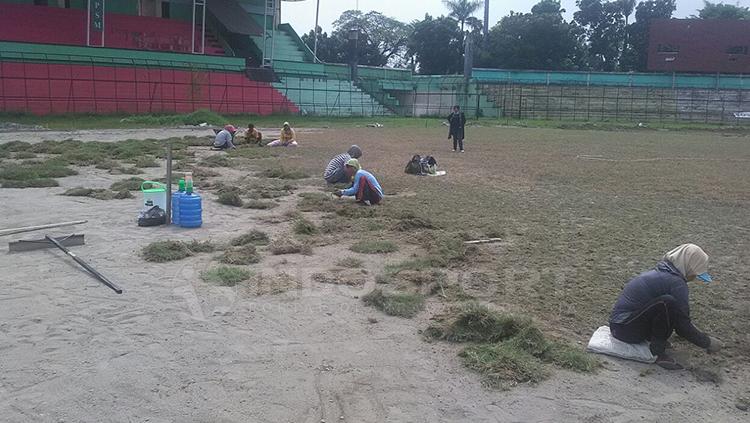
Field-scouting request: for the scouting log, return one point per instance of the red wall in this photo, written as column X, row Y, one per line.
column 42, row 88
column 54, row 25
column 702, row 45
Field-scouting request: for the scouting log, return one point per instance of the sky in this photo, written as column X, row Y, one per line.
column 301, row 14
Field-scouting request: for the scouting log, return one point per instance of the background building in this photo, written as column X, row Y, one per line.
column 699, row 46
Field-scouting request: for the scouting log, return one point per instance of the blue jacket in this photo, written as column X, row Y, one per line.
column 664, row 279
column 355, row 188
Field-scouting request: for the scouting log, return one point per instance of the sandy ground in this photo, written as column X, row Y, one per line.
column 172, row 348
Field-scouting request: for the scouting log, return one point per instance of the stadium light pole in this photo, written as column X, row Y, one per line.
column 486, row 17
column 315, row 48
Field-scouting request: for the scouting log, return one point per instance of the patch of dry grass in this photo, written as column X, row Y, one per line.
column 395, row 303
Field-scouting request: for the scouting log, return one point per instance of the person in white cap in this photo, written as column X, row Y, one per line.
column 224, row 138
column 287, row 139
column 655, row 303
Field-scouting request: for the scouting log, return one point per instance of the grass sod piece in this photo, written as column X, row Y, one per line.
column 229, row 198
column 36, row 170
column 122, row 195
column 351, row 263
column 259, row 205
column 285, row 246
column 146, row 162
column 503, row 365
column 477, row 323
column 244, row 255
column 130, row 184
column 164, row 251
column 395, row 304
column 305, row 227
column 196, row 246
column 374, row 247
column 253, row 237
column 225, row 275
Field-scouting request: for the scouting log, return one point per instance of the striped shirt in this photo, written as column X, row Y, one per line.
column 335, row 164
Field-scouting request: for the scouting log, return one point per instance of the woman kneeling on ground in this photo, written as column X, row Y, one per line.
column 225, row 137
column 253, row 136
column 655, row 303
column 366, row 189
column 287, row 138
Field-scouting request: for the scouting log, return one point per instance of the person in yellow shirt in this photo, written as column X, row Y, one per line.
column 287, row 139
column 253, row 136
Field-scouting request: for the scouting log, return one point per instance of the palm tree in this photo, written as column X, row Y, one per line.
column 462, row 9
column 627, row 9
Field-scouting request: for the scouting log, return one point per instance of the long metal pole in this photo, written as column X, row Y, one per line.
column 169, row 183
column 192, row 40
column 486, row 17
column 203, row 29
column 104, row 25
column 85, row 265
column 39, row 227
column 317, row 14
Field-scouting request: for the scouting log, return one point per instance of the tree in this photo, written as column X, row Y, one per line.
column 636, row 54
column 339, row 49
column 604, row 26
column 723, row 11
column 328, row 47
column 387, row 35
column 537, row 40
column 436, row 45
column 461, row 10
column 382, row 40
column 627, row 6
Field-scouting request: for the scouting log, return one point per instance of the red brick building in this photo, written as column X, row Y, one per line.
column 699, row 46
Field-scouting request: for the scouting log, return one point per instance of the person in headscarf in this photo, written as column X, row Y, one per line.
column 225, row 137
column 366, row 189
column 655, row 303
column 287, row 138
column 336, row 170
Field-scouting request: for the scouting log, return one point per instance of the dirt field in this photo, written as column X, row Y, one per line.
column 579, row 213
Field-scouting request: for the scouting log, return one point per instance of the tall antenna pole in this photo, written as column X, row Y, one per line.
column 486, row 17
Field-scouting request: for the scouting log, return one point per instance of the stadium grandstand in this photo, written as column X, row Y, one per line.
column 239, row 57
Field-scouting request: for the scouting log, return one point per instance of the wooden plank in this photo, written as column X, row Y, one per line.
column 39, row 244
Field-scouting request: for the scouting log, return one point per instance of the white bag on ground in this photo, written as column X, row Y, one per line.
column 602, row 342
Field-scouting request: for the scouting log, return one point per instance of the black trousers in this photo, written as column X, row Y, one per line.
column 367, row 192
column 458, row 141
column 656, row 322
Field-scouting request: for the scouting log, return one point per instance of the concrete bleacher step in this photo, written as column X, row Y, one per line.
column 332, row 97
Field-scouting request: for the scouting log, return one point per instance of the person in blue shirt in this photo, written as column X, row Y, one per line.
column 365, row 188
column 655, row 303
